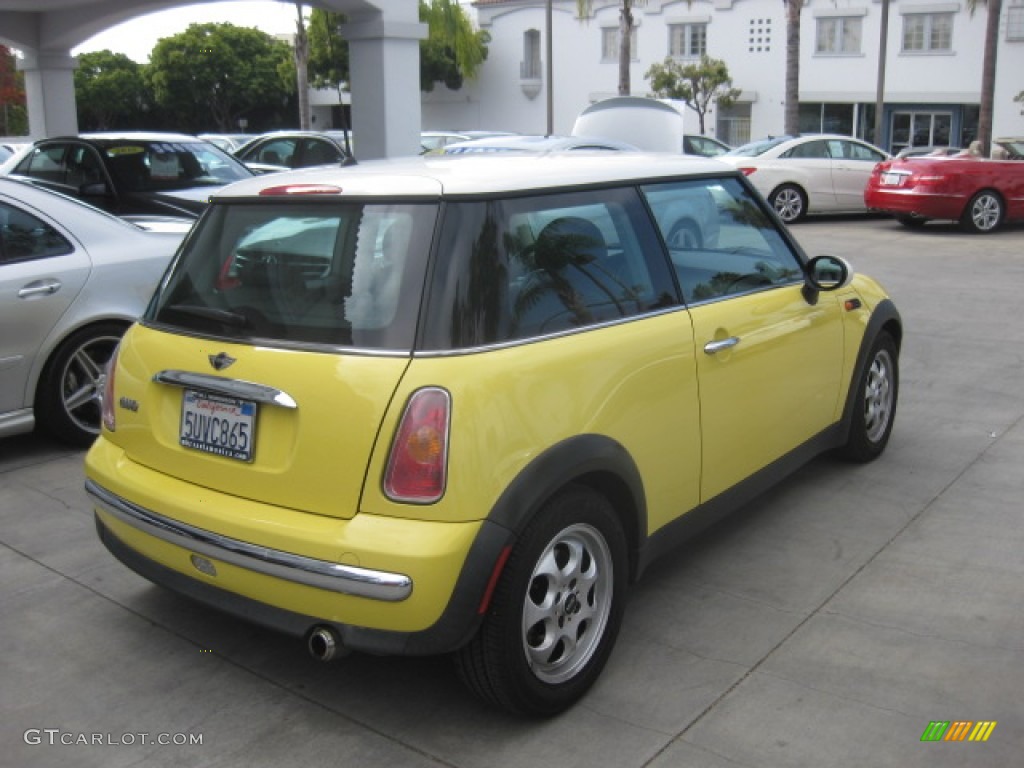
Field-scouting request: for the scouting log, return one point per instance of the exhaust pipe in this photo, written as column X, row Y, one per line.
column 324, row 644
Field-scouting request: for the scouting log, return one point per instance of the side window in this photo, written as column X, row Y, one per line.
column 278, row 152
column 317, row 152
column 45, row 164
column 854, row 151
column 811, row 150
column 83, row 167
column 24, row 237
column 527, row 267
column 721, row 242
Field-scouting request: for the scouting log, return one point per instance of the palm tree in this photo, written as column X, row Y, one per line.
column 626, row 23
column 792, row 115
column 302, row 67
column 988, row 71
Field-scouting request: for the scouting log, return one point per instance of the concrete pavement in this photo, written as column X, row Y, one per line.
column 825, row 625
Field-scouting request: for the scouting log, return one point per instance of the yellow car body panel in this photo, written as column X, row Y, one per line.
column 311, row 458
column 632, row 382
column 431, row 554
column 751, row 388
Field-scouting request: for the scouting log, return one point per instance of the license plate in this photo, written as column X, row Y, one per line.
column 892, row 179
column 216, row 424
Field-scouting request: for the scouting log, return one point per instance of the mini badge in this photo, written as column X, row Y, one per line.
column 221, row 361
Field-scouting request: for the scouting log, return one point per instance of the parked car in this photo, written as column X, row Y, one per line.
column 229, row 142
column 285, row 150
column 980, row 193
column 127, row 173
column 933, row 151
column 457, row 404
column 816, row 173
column 435, row 141
column 534, row 144
column 1008, row 148
column 705, row 146
column 72, row 278
column 655, row 125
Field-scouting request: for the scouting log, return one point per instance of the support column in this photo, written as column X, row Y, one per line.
column 384, row 72
column 50, row 93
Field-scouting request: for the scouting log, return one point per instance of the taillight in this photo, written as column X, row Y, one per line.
column 747, row 170
column 107, row 403
column 417, row 465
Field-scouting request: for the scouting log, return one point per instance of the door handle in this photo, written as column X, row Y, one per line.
column 713, row 347
column 39, row 288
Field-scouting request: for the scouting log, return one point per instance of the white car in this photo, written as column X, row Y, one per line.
column 72, row 279
column 817, row 173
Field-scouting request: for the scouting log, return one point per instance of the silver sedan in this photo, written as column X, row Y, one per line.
column 72, row 278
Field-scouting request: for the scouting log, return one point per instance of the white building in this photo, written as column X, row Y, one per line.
column 932, row 66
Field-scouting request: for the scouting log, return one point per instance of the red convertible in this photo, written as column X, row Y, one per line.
column 979, row 193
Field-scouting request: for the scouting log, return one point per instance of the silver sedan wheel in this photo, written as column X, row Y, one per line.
column 82, row 379
column 788, row 202
column 878, row 396
column 986, row 211
column 568, row 603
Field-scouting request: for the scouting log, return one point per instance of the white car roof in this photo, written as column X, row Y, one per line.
column 476, row 174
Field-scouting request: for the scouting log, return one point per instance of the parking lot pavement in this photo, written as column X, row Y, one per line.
column 828, row 624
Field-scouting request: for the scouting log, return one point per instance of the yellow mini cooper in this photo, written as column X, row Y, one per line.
column 457, row 404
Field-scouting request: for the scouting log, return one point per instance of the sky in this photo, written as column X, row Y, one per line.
column 136, row 38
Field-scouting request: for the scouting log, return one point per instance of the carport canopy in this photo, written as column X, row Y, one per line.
column 383, row 38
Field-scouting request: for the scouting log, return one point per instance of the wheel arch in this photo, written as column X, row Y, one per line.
column 596, row 461
column 884, row 319
column 54, row 343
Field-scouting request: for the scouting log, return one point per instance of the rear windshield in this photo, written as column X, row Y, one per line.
column 342, row 274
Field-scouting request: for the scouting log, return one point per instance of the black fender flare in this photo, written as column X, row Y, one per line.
column 597, row 461
column 885, row 317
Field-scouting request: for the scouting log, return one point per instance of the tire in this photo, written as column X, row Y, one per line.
column 875, row 407
column 68, row 395
column 984, row 213
column 913, row 222
column 790, row 202
column 556, row 611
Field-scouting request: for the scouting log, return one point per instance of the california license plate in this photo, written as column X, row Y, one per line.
column 217, row 424
column 892, row 179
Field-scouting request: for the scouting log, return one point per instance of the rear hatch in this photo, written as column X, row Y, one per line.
column 270, row 354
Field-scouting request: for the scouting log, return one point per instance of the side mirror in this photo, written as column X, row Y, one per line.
column 825, row 273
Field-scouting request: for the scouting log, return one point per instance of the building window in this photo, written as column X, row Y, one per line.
column 1015, row 21
column 529, row 69
column 610, row 43
column 687, row 41
column 733, row 123
column 927, row 32
column 759, row 39
column 838, row 35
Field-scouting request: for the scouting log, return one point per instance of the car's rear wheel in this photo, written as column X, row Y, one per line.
column 556, row 610
column 875, row 407
column 790, row 202
column 984, row 213
column 71, row 386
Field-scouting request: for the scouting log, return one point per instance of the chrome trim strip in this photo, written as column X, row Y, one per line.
column 247, row 390
column 346, row 579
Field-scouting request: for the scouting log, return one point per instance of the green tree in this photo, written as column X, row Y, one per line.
column 453, row 50
column 13, row 113
column 213, row 74
column 110, row 92
column 697, row 84
column 626, row 24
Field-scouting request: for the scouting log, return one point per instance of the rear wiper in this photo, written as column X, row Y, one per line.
column 223, row 316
